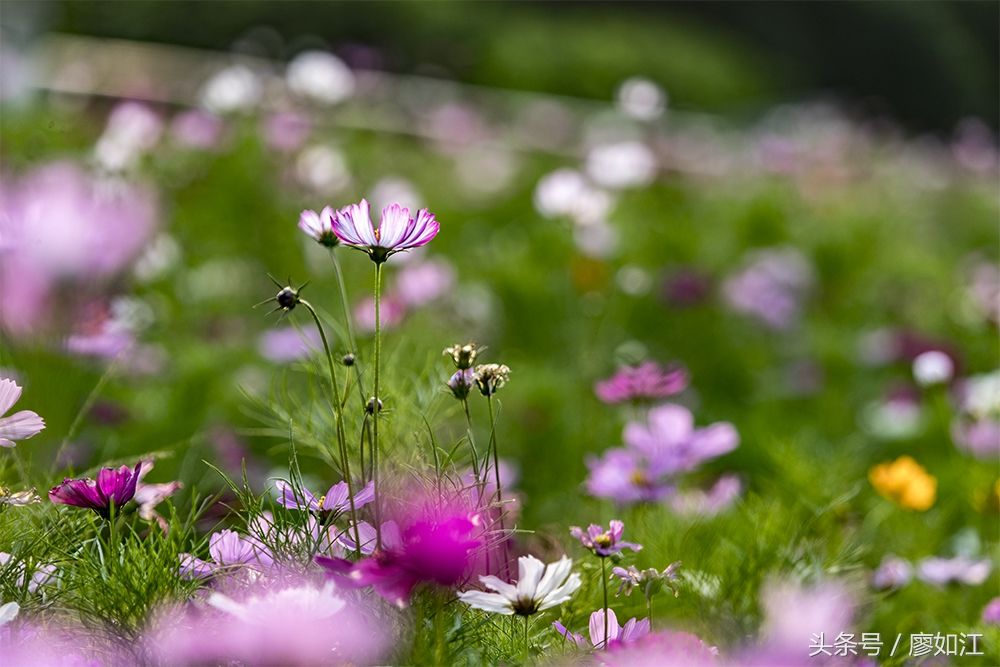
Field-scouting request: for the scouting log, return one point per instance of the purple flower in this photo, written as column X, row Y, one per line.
column 794, row 613
column 624, row 475
column 285, row 131
column 960, row 569
column 196, row 129
column 396, row 232
column 229, row 550
column 22, row 424
column 647, row 381
column 419, row 283
column 666, row 648
column 672, row 444
column 461, row 383
column 686, row 287
column 604, row 542
column 719, row 497
column 319, row 226
column 335, row 501
column 391, row 313
column 633, row 630
column 770, row 287
column 991, row 613
column 288, row 344
column 980, row 438
column 114, row 487
column 894, row 572
column 436, row 548
column 148, row 496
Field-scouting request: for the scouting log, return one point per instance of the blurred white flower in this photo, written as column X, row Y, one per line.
column 322, row 168
column 320, row 76
column 235, row 88
column 641, row 99
column 160, row 256
column 133, row 128
column 625, row 164
column 633, row 280
column 932, row 367
column 566, row 192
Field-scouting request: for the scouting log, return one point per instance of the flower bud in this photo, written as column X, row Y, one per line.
column 348, row 359
column 370, row 408
column 464, row 356
column 491, row 377
column 461, row 383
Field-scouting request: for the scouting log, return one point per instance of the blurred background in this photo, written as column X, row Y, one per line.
column 926, row 65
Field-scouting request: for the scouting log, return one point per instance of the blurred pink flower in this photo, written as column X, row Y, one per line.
column 770, row 287
column 418, row 283
column 288, row 344
column 666, row 648
column 647, row 381
column 718, row 498
column 285, row 130
column 960, row 569
column 991, row 612
column 197, row 129
column 892, row 573
column 391, row 312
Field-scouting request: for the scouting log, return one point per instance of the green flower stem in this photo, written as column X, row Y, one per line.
column 496, row 472
column 604, row 584
column 338, row 413
column 472, row 445
column 527, row 648
column 375, row 411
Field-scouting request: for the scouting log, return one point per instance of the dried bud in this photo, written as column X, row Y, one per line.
column 464, row 356
column 461, row 383
column 348, row 359
column 370, row 408
column 491, row 377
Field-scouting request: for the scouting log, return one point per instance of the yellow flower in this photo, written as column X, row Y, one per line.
column 904, row 481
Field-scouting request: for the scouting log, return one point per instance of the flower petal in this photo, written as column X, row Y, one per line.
column 21, row 425
column 9, row 393
column 491, row 602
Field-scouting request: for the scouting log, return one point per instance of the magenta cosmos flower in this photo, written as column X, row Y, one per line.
column 432, row 549
column 397, row 231
column 647, row 381
column 22, row 424
column 113, row 487
column 604, row 542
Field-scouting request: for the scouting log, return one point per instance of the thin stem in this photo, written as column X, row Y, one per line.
column 375, row 408
column 496, row 472
column 339, row 416
column 649, row 611
column 604, row 584
column 527, row 651
column 472, row 446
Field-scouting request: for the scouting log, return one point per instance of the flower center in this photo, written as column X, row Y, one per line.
column 525, row 606
column 603, row 540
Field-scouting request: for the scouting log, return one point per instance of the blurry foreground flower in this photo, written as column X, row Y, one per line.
column 20, row 425
column 604, row 542
column 666, row 648
column 434, row 547
column 8, row 612
column 646, row 382
column 933, row 367
column 539, row 587
column 113, row 488
column 633, row 630
column 148, row 496
column 396, row 232
column 905, row 482
column 960, row 569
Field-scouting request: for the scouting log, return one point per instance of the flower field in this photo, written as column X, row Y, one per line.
column 307, row 364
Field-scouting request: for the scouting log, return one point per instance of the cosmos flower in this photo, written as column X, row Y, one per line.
column 669, row 440
column 419, row 283
column 666, row 648
column 22, row 424
column 892, row 573
column 196, row 129
column 626, row 476
column 286, row 344
column 960, row 569
column 319, row 226
column 8, row 612
column 229, row 551
column 717, row 498
column 113, row 488
column 933, row 367
column 905, row 482
column 391, row 312
column 335, row 501
column 633, row 630
column 42, row 574
column 433, row 547
column 285, row 131
column 770, row 287
column 539, row 587
column 604, row 542
column 319, row 76
column 645, row 382
column 396, row 232
column 148, row 496
column 650, row 580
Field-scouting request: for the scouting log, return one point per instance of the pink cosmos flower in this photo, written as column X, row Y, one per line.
column 718, row 498
column 285, row 130
column 391, row 312
column 196, row 129
column 419, row 283
column 771, row 287
column 632, row 631
column 435, row 548
column 148, row 496
column 626, row 477
column 288, row 344
column 397, row 231
column 960, row 569
column 335, row 501
column 230, row 551
column 22, row 424
column 604, row 542
column 647, row 381
column 113, row 487
column 666, row 648
column 319, row 226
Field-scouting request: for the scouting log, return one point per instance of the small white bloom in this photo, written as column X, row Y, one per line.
column 320, row 76
column 322, row 168
column 235, row 88
column 539, row 587
column 933, row 367
column 625, row 164
column 641, row 99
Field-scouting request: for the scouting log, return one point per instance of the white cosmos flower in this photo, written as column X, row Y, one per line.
column 539, row 587
column 20, row 425
column 8, row 612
